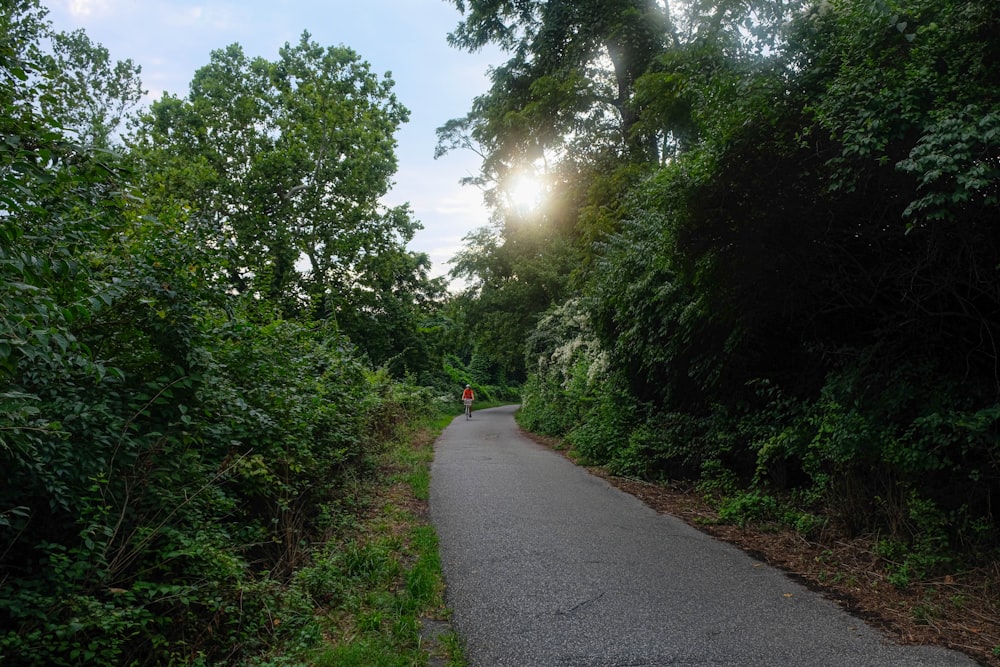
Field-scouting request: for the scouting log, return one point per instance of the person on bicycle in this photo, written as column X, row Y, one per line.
column 467, row 397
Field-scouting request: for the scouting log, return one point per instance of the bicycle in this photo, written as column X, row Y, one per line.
column 468, row 407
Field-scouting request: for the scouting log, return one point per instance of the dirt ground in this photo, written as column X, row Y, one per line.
column 960, row 610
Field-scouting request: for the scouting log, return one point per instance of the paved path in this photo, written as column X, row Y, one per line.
column 548, row 566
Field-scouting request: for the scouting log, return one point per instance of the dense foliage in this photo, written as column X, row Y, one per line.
column 183, row 412
column 765, row 261
column 289, row 161
column 797, row 292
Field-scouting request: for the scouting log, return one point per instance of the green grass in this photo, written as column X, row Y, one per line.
column 365, row 595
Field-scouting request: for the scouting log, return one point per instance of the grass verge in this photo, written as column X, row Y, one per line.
column 373, row 595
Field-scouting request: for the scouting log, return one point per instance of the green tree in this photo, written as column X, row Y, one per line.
column 334, row 161
column 511, row 281
column 290, row 158
column 289, row 161
column 91, row 95
column 391, row 303
column 561, row 111
column 806, row 276
column 569, row 83
column 167, row 447
column 198, row 153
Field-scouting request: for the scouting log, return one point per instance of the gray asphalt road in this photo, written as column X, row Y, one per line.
column 547, row 566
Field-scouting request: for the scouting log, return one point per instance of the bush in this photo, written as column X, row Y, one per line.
column 604, row 429
column 749, row 507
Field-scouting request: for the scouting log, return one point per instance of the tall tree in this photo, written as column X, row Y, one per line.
column 510, row 281
column 163, row 457
column 93, row 94
column 332, row 163
column 569, row 83
column 815, row 274
column 290, row 159
column 561, row 111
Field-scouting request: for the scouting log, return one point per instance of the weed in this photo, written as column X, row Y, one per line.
column 420, row 484
column 716, row 479
column 370, row 621
column 745, row 508
column 423, row 582
column 925, row 613
column 366, row 591
column 453, row 647
column 807, row 525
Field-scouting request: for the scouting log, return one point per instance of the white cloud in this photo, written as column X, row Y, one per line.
column 80, row 8
column 219, row 19
column 190, row 16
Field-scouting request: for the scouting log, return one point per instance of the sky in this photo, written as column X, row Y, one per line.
column 171, row 39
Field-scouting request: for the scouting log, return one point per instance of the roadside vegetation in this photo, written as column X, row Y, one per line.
column 199, row 434
column 758, row 260
column 372, row 596
column 957, row 610
column 765, row 263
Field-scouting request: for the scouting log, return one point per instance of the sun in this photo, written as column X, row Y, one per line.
column 525, row 192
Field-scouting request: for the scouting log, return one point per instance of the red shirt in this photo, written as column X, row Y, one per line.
column 467, row 394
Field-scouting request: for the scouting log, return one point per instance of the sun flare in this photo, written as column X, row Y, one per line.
column 525, row 192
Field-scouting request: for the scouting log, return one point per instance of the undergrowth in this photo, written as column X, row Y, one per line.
column 369, row 593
